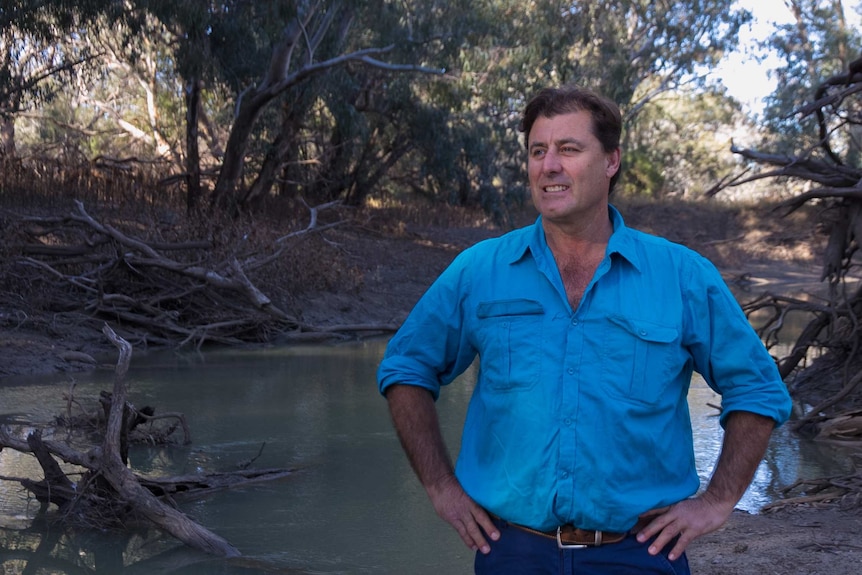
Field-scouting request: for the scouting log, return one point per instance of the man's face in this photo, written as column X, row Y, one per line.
column 569, row 171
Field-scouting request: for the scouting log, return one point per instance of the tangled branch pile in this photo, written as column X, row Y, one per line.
column 142, row 425
column 158, row 286
column 846, row 490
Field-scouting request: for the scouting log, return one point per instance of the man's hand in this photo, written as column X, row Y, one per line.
column 746, row 436
column 461, row 512
column 688, row 519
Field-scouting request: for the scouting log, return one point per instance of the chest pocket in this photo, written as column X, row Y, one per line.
column 637, row 358
column 510, row 343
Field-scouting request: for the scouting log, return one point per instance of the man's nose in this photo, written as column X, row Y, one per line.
column 551, row 163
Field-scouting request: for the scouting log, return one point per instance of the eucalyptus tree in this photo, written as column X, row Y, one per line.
column 294, row 72
column 678, row 144
column 297, row 44
column 122, row 105
column 457, row 136
column 455, row 139
column 214, row 51
column 32, row 57
column 817, row 43
column 631, row 50
column 661, row 51
column 322, row 99
column 372, row 127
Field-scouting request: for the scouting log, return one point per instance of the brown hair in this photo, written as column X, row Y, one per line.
column 550, row 102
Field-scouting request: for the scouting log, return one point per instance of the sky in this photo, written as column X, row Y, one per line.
column 745, row 79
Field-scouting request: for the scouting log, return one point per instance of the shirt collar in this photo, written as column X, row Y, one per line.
column 621, row 242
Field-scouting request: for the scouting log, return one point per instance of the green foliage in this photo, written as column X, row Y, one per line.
column 678, row 145
column 223, row 42
column 42, row 38
column 359, row 131
column 632, row 51
column 816, row 45
column 43, row 19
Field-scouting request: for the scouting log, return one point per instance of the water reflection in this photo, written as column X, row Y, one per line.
column 353, row 504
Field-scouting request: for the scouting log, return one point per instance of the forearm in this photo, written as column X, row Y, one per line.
column 414, row 416
column 746, row 437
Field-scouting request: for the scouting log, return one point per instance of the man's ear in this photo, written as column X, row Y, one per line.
column 613, row 165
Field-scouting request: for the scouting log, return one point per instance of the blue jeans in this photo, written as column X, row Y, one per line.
column 518, row 552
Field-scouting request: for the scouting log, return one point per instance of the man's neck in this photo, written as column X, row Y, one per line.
column 578, row 239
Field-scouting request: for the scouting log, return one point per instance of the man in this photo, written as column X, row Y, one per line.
column 577, row 451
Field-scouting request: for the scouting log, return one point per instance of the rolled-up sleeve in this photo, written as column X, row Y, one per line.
column 727, row 351
column 432, row 348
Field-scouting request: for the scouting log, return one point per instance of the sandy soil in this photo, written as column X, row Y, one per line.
column 753, row 247
column 799, row 540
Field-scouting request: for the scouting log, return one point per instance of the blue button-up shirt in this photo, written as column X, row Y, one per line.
column 581, row 416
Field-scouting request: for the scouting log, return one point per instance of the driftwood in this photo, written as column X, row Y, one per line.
column 108, row 493
column 184, row 293
column 846, row 425
column 845, row 490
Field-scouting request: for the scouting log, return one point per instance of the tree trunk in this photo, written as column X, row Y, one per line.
column 249, row 108
column 7, row 136
column 193, row 157
column 272, row 163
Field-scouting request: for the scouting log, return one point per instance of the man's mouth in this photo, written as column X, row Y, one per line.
column 552, row 189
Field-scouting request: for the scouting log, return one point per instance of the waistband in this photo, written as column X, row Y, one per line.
column 570, row 537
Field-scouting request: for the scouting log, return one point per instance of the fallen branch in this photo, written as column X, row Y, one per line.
column 127, row 485
column 108, row 491
column 184, row 292
column 821, row 490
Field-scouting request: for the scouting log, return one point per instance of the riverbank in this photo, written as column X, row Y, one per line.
column 393, row 256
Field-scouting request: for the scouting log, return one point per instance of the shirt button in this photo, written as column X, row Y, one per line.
column 571, row 371
column 567, row 421
column 565, row 475
column 574, row 322
column 643, row 332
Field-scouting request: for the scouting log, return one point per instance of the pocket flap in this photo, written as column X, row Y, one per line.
column 506, row 307
column 646, row 330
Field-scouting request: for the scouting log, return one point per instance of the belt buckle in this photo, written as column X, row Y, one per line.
column 562, row 545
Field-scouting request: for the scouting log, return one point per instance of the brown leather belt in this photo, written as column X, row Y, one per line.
column 571, row 537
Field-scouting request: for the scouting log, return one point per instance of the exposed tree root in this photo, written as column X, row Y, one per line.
column 824, row 365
